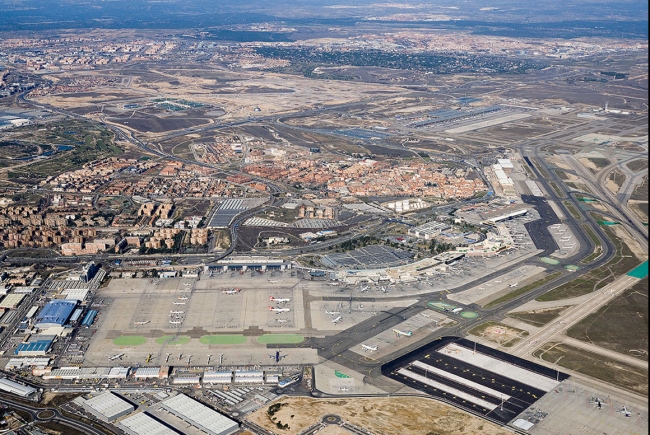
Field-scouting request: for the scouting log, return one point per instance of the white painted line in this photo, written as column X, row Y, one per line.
column 461, row 380
column 500, row 367
column 451, row 390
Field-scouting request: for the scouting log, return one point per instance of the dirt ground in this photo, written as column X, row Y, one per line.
column 500, row 333
column 630, row 242
column 380, row 416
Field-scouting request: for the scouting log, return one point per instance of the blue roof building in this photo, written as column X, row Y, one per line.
column 55, row 313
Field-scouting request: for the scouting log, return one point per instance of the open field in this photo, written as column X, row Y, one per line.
column 499, row 333
column 595, row 365
column 537, row 317
column 523, row 290
column 380, row 416
column 621, row 325
column 637, row 165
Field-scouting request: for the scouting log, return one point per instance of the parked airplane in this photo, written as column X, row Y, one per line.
column 277, row 357
column 231, row 291
column 337, row 320
column 176, row 322
column 400, row 333
column 179, row 303
column 281, row 320
column 332, row 312
column 148, row 358
column 369, row 348
column 176, row 312
column 335, row 283
column 625, row 411
column 426, row 315
column 456, row 310
column 279, row 310
column 141, row 323
column 272, row 281
column 497, row 282
column 384, row 289
column 183, row 298
column 513, row 285
column 187, row 284
column 271, row 298
column 364, row 289
column 114, row 357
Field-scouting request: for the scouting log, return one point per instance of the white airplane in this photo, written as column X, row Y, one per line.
column 176, row 312
column 513, row 285
column 272, row 281
column 332, row 312
column 114, row 357
column 369, row 348
column 456, row 310
column 384, row 289
column 625, row 411
column 187, row 284
column 179, row 303
column 183, row 298
column 176, row 322
column 335, row 283
column 400, row 333
column 364, row 289
column 271, row 298
column 337, row 320
column 141, row 323
column 497, row 282
column 279, row 310
column 281, row 320
column 232, row 291
column 426, row 315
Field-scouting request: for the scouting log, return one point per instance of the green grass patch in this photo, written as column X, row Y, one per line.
column 599, row 162
column 560, row 173
column 556, row 189
column 591, row 257
column 537, row 317
column 572, row 210
column 592, row 236
column 280, row 339
column 172, row 339
column 129, row 340
column 522, row 290
column 222, row 339
column 595, row 365
column 621, row 325
column 622, row 262
column 637, row 165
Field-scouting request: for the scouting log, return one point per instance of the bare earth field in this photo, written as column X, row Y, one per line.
column 380, row 416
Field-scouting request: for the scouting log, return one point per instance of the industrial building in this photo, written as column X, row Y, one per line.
column 144, row 424
column 55, row 313
column 198, row 415
column 503, row 217
column 36, row 345
column 106, row 406
column 187, row 380
column 12, row 300
column 249, row 377
column 12, row 387
column 217, row 377
column 429, row 230
column 147, row 373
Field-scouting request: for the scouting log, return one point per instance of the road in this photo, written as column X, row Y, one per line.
column 55, row 416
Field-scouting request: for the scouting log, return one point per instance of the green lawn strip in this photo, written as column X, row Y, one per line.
column 572, row 210
column 222, row 339
column 280, row 339
column 595, row 365
column 537, row 317
column 621, row 325
column 171, row 339
column 622, row 262
column 591, row 257
column 520, row 291
column 129, row 340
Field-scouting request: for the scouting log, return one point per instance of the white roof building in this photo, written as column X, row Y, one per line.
column 143, row 424
column 195, row 413
column 12, row 387
column 106, row 406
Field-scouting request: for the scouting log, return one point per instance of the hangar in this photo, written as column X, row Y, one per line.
column 200, row 416
column 106, row 406
column 55, row 313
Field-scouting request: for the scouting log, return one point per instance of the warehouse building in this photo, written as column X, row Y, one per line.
column 55, row 313
column 200, row 416
column 12, row 300
column 36, row 345
column 144, row 424
column 106, row 406
column 12, row 387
